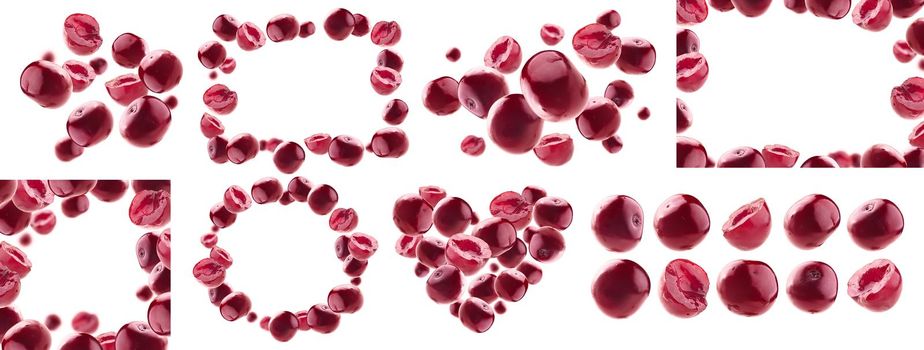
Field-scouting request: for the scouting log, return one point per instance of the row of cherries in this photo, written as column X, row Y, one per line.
column 24, row 203
column 354, row 249
column 506, row 237
column 746, row 287
column 146, row 118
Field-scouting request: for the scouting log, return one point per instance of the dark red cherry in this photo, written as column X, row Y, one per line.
column 811, row 221
column 322, row 319
column 283, row 326
column 145, row 121
column 691, row 153
column 797, row 6
column 876, row 286
column 345, row 150
column 360, row 25
column 747, row 287
column 681, row 222
column 138, row 335
column 390, row 59
column 752, row 8
column 159, row 280
column 289, row 157
column 691, row 11
column 915, row 157
column 834, row 9
column 531, row 270
column 146, row 251
column 82, row 75
column 125, row 89
column 128, row 50
column 609, row 19
column 159, row 314
column 441, row 96
column 46, row 83
column 597, row 45
column 748, row 227
column 479, row 88
column 27, row 335
column 70, row 188
column 742, row 157
column 212, row 54
column 66, row 150
column 412, row 215
column 99, row 65
column 553, row 212
column 109, row 190
column 483, row 288
column 10, row 317
column 498, row 233
column 908, row 98
column 876, row 224
column 553, row 87
column 7, row 189
column 722, row 5
column 468, row 253
column 225, row 27
column 555, row 149
column 32, row 195
column 339, row 24
column 513, row 256
column 389, row 142
column 452, row 215
column 692, row 71
column 444, row 285
column 89, row 124
column 883, row 156
column 620, row 92
column 812, row 286
column 75, row 206
column 323, row 199
column 306, row 29
column 618, row 223
column 820, row 162
column 395, row 112
column 476, row 315
column 234, row 305
column 345, row 299
column 81, row 341
column 81, row 34
column 638, row 56
column 282, row 28
column 873, row 15
column 511, row 285
column 160, row 71
column 13, row 220
column 431, row 252
column 684, row 286
column 684, row 116
column 242, row 148
column 513, row 125
column 779, row 156
column 546, row 244
column 687, row 42
column 551, row 34
column 504, row 55
column 599, row 120
column 620, row 288
column 906, row 8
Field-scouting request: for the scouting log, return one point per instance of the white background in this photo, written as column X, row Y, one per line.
column 816, row 85
column 284, row 256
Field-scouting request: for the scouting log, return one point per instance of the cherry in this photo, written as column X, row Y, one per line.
column 555, row 149
column 385, row 33
column 480, row 88
column 811, row 221
column 476, row 315
column 81, row 341
column 395, row 112
column 225, row 27
column 441, row 96
column 159, row 280
column 684, row 286
column 751, row 8
column 504, row 55
column 282, row 28
column 406, row 245
column 820, row 162
column 599, row 120
column 412, row 214
column 609, row 19
column 75, row 206
column 432, row 194
column 99, row 65
column 553, row 212
column 834, row 9
column 128, row 50
column 81, row 74
column 46, row 83
column 150, row 209
column 85, row 322
column 876, row 286
column 612, row 144
column 323, row 199
column 747, row 287
column 749, row 226
column 546, row 244
column 618, row 223
column 499, row 234
column 250, row 37
column 212, row 54
column 385, row 80
column 289, row 157
column 66, row 150
column 876, row 224
column 873, row 15
column 472, row 145
column 145, row 122
column 431, row 252
column 43, row 222
column 339, row 24
column 812, row 286
column 81, row 34
column 343, row 220
column 345, row 150
column 306, row 29
column 266, row 190
column 451, row 216
column 12, row 220
column 620, row 288
column 797, row 6
column 70, row 188
column 906, row 8
column 681, row 222
column 692, row 71
column 389, row 143
column 242, row 148
column 553, row 87
column 908, row 98
column 228, row 66
column 532, row 194
column 916, row 138
column 513, row 125
column 468, row 253
column 511, row 285
column 27, row 335
column 322, row 319
column 453, row 54
column 687, row 42
column 742, row 157
column 107, row 340
column 360, row 25
column 283, row 326
column 390, row 59
column 596, row 45
column 779, row 156
column 15, row 260
column 691, row 11
column 220, row 99
column 883, row 156
column 722, row 5
column 318, row 143
column 159, row 314
column 234, row 305
column 915, row 157
column 638, row 56
column 146, row 251
column 89, row 124
column 126, row 88
column 209, row 272
column 362, row 246
column 444, row 285
column 109, row 190
column 160, row 71
column 8, row 318
column 221, row 256
column 9, row 286
column 138, row 335
column 551, row 34
column 345, row 299
column 620, row 92
column 32, row 195
column 513, row 207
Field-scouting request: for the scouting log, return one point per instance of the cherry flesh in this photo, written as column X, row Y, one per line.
column 504, row 55
column 691, row 11
column 81, row 34
column 692, row 71
column 748, row 227
column 684, row 286
column 555, row 149
column 876, row 286
column 468, row 253
column 873, row 15
column 779, row 156
column 597, row 45
column 551, row 34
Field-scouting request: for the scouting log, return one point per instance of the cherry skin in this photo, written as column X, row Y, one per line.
column 691, row 11
column 282, row 28
column 513, row 126
column 511, row 285
column 159, row 314
column 873, row 15
column 691, row 153
column 412, row 215
column 546, row 244
column 820, row 162
column 610, row 19
column 620, row 288
column 476, row 315
column 553, row 86
column 345, row 298
column 479, row 88
column 638, row 56
column 742, row 157
column 620, row 92
column 504, row 55
column 684, row 286
column 452, row 216
column 160, row 71
column 345, row 150
column 687, row 41
column 322, row 320
column 128, row 50
column 692, row 71
column 906, row 8
column 138, row 335
column 81, row 341
column 751, row 8
column 27, row 335
column 779, row 156
column 596, row 45
column 876, row 286
column 875, row 224
column 81, row 34
column 618, row 223
column 748, row 227
column 681, row 222
column 283, row 326
column 811, row 220
column 833, row 9
column 444, row 285
column 145, row 121
column 9, row 317
column 498, row 233
column 883, row 156
column 431, row 252
column 441, row 96
column 468, row 253
column 234, row 305
column 553, row 212
column 747, row 287
column 599, row 120
column 812, row 286
column 46, row 83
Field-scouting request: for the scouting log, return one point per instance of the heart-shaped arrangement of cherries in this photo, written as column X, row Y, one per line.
column 458, row 258
column 25, row 203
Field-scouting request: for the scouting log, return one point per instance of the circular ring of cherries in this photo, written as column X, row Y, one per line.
column 353, row 248
column 746, row 287
column 907, row 99
column 24, row 203
column 288, row 156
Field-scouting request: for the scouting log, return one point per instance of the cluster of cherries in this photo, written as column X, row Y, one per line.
column 553, row 90
column 458, row 256
column 288, row 156
column 746, row 287
column 25, row 203
column 146, row 118
column 353, row 248
column 873, row 15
